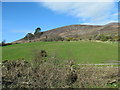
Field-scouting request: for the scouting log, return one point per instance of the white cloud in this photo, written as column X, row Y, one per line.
column 88, row 12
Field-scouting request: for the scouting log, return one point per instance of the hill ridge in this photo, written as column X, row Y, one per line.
column 80, row 30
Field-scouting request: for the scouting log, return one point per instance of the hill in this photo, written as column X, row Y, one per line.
column 81, row 31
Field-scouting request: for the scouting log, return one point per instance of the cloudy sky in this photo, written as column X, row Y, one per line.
column 19, row 18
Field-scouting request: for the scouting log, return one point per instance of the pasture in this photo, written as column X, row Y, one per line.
column 80, row 51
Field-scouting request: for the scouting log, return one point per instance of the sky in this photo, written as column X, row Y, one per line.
column 20, row 18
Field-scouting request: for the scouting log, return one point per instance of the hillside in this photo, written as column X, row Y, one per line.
column 82, row 31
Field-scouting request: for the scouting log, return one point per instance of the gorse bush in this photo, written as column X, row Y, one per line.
column 55, row 38
column 39, row 57
column 20, row 74
column 48, row 74
column 73, row 39
column 103, row 37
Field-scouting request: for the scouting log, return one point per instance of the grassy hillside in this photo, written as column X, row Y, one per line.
column 83, row 51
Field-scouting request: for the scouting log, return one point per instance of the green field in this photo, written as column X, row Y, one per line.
column 80, row 51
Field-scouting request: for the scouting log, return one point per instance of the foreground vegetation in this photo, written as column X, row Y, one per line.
column 45, row 72
column 80, row 51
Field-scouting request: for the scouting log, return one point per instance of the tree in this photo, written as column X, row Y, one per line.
column 3, row 42
column 29, row 36
column 37, row 30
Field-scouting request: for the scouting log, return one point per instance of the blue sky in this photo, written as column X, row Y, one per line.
column 20, row 18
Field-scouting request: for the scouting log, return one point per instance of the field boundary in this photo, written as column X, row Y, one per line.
column 102, row 64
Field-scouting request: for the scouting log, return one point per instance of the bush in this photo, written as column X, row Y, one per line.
column 48, row 74
column 15, row 73
column 90, row 39
column 103, row 37
column 94, row 76
column 5, row 44
column 117, row 38
column 21, row 74
column 29, row 36
column 69, row 38
column 55, row 38
column 73, row 39
column 80, row 38
column 39, row 57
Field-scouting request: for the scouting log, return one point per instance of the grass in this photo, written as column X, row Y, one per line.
column 80, row 52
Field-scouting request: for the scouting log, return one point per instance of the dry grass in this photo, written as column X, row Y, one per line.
column 21, row 74
column 48, row 74
column 94, row 76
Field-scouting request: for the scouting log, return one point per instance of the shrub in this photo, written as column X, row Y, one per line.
column 48, row 74
column 15, row 73
column 93, row 76
column 102, row 37
column 75, row 39
column 58, row 38
column 39, row 57
column 80, row 38
column 69, row 38
column 117, row 38
column 20, row 74
column 29, row 36
column 90, row 39
column 3, row 43
column 55, row 38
